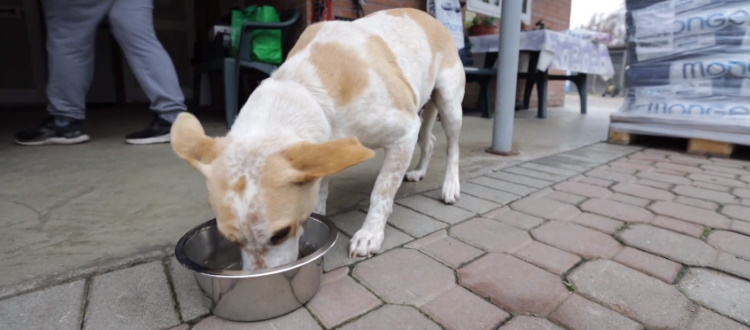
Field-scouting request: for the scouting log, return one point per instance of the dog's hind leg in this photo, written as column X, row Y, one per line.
column 426, row 143
column 448, row 96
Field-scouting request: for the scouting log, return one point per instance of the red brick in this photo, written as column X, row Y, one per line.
column 643, row 191
column 490, row 235
column 459, row 309
column 691, row 214
column 737, row 212
column 598, row 222
column 627, row 199
column 662, row 177
column 583, row 189
column 547, row 257
column 677, row 247
column 523, row 322
column 697, row 203
column 649, row 264
column 580, row 313
column 573, row 238
column 708, row 320
column 513, row 285
column 597, row 181
column 617, row 210
column 654, row 184
column 514, row 218
column 728, row 241
column 620, row 169
column 545, row 208
column 682, row 227
column 633, row 294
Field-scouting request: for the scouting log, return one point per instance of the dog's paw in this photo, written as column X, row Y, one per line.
column 414, row 176
column 451, row 191
column 365, row 243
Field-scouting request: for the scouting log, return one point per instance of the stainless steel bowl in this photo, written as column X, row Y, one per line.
column 247, row 296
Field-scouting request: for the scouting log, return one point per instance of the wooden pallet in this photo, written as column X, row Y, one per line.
column 694, row 146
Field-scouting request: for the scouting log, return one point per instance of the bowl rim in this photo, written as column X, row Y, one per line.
column 183, row 259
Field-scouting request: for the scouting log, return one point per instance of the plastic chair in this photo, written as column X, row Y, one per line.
column 482, row 75
column 230, row 66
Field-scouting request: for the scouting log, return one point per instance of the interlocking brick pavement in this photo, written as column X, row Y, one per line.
column 602, row 237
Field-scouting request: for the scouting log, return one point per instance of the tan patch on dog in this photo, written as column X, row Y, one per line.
column 340, row 69
column 306, row 38
column 386, row 65
column 189, row 141
column 240, row 185
column 317, row 160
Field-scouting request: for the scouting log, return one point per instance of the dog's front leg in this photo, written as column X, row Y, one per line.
column 320, row 208
column 368, row 239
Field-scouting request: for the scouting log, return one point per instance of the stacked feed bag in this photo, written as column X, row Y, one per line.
column 689, row 70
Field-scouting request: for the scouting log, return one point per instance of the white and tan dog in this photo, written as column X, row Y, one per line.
column 346, row 87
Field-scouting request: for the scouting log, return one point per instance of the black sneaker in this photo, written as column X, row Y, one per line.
column 51, row 133
column 157, row 132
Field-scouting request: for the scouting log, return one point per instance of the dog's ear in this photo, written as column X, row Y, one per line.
column 189, row 142
column 317, row 160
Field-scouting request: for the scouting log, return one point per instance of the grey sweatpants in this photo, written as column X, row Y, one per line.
column 71, row 31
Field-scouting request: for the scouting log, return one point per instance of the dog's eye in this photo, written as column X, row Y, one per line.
column 280, row 235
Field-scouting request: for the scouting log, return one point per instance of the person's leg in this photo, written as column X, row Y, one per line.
column 71, row 32
column 133, row 27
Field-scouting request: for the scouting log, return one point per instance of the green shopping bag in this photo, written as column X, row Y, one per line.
column 266, row 44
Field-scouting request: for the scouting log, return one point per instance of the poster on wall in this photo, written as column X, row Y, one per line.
column 493, row 8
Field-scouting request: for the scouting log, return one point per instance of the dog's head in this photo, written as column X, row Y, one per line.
column 262, row 191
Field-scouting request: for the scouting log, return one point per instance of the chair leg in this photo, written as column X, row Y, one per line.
column 230, row 93
column 484, row 99
column 581, row 83
column 527, row 92
column 541, row 91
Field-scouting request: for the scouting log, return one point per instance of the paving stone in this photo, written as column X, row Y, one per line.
column 349, row 222
column 520, row 179
column 689, row 160
column 490, row 235
column 58, row 307
column 341, row 299
column 513, row 285
column 742, row 193
column 723, row 293
column 728, row 162
column 547, row 257
column 191, row 300
column 663, row 269
column 181, row 327
column 682, row 227
column 523, row 322
column 737, row 212
column 654, row 184
column 712, row 186
column 405, row 276
column 560, row 196
column 732, row 264
column 745, row 178
column 668, row 244
column 597, row 181
column 598, row 222
column 696, row 202
column 631, row 165
column 549, row 169
column 627, row 199
column 617, row 210
column 691, row 214
column 546, row 209
column 650, row 157
column 728, row 241
column 644, row 192
column 573, row 238
column 446, row 249
column 438, row 210
column 564, row 163
column 719, row 180
column 513, row 188
column 297, row 320
column 633, row 294
column 678, row 167
column 133, row 298
column 725, row 169
column 514, row 218
column 417, row 224
column 611, row 175
column 392, row 317
column 705, row 194
column 339, row 254
column 467, row 202
column 720, row 174
column 536, row 174
column 666, row 178
column 459, row 309
column 708, row 320
column 494, row 195
column 580, row 313
column 583, row 189
column 741, row 227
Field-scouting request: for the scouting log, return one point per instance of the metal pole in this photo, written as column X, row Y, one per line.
column 505, row 100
